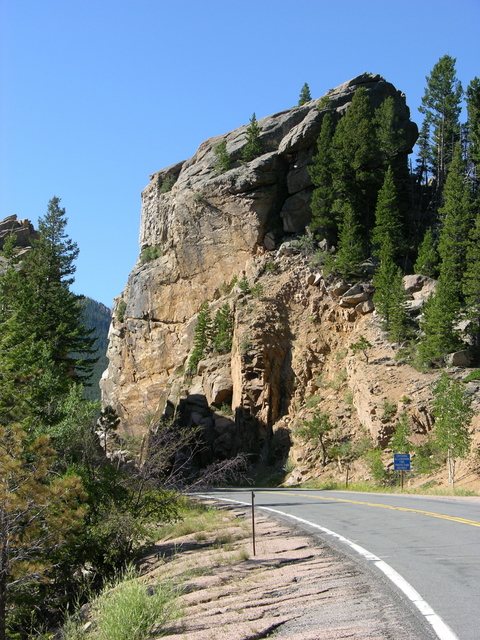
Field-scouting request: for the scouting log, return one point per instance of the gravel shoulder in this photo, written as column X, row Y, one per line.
column 295, row 586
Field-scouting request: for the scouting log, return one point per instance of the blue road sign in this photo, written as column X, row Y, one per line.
column 401, row 461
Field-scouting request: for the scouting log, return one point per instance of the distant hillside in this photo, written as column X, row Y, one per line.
column 97, row 316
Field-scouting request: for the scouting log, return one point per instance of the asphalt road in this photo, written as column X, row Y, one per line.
column 433, row 543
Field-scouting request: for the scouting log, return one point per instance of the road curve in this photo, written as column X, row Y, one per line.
column 432, row 543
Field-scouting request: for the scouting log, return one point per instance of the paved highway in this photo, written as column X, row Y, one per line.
column 431, row 543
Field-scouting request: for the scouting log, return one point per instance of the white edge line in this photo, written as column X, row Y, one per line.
column 442, row 630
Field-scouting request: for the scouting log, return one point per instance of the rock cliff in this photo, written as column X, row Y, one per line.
column 291, row 327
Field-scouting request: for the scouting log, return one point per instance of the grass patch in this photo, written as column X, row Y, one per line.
column 128, row 609
column 473, row 375
column 193, row 517
column 366, row 487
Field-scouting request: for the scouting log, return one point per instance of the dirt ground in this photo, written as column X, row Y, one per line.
column 294, row 587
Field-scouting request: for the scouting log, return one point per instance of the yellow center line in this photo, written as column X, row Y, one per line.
column 432, row 514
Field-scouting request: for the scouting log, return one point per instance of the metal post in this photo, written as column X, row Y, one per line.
column 401, row 472
column 253, row 522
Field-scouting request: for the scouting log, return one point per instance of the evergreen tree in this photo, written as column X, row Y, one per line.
column 424, row 167
column 356, row 175
column 456, row 217
column 222, row 158
column 201, row 338
column 351, row 245
column 473, row 136
column 223, row 329
column 389, row 297
column 388, row 227
column 441, row 107
column 471, row 279
column 108, row 422
column 41, row 325
column 391, row 142
column 323, row 223
column 305, row 95
column 438, row 322
column 427, row 260
column 38, row 513
column 253, row 148
column 45, row 306
column 442, row 309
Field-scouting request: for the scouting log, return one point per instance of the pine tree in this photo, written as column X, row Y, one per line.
column 38, row 512
column 457, row 219
column 45, row 306
column 427, row 260
column 253, row 148
column 323, row 223
column 473, row 135
column 424, row 167
column 201, row 338
column 391, row 142
column 441, row 105
column 438, row 322
column 351, row 245
column 108, row 422
column 388, row 227
column 389, row 297
column 471, row 279
column 41, row 327
column 305, row 95
column 223, row 329
column 442, row 309
column 355, row 170
column 222, row 158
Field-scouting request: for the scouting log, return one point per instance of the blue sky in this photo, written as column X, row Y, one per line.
column 96, row 95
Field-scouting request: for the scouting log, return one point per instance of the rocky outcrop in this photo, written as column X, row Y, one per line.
column 207, row 229
column 23, row 230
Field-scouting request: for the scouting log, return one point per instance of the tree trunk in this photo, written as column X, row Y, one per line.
column 4, row 567
column 324, row 454
column 451, row 469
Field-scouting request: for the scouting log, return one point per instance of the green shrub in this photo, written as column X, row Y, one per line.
column 389, row 409
column 325, row 103
column 305, row 245
column 253, row 148
column 313, row 401
column 257, row 290
column 227, row 287
column 271, row 266
column 167, row 184
column 318, row 258
column 362, row 345
column 243, row 285
column 120, row 312
column 222, row 158
column 150, row 253
column 473, row 375
column 375, row 464
column 428, row 457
